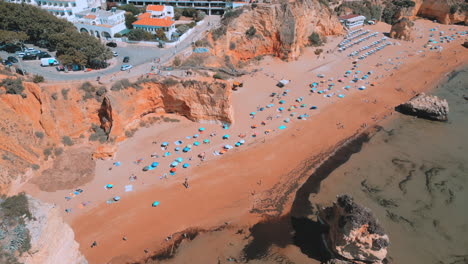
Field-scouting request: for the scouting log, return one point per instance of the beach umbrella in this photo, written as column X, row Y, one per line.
column 280, row 109
column 179, row 159
column 226, row 136
column 164, row 144
column 252, row 113
column 167, row 154
column 303, row 105
column 237, row 144
column 313, row 107
column 206, row 141
column 196, row 136
column 242, row 141
column 186, row 149
column 196, row 143
column 186, row 165
column 146, row 168
column 225, row 126
column 347, row 87
column 282, row 127
column 201, row 129
column 261, row 109
column 174, row 164
column 117, row 198
column 177, row 149
column 287, row 120
column 155, row 203
column 154, row 164
column 173, row 170
column 341, row 95
column 281, row 102
column 362, row 88
column 117, row 163
column 189, row 146
column 270, row 105
column 109, row 186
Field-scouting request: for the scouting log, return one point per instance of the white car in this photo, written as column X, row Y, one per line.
column 115, row 53
column 20, row 54
column 126, row 67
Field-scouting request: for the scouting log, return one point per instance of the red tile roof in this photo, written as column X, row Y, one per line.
column 145, row 19
column 348, row 16
column 90, row 16
column 158, row 8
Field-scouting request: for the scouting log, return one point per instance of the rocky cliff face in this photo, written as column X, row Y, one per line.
column 52, row 240
column 32, row 129
column 280, row 29
column 354, row 233
column 403, row 29
column 426, row 106
column 444, row 11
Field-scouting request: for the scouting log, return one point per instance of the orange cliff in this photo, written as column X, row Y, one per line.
column 33, row 128
column 281, row 30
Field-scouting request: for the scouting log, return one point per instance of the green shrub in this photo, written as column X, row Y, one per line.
column 38, row 78
column 139, row 34
column 169, row 82
column 230, row 15
column 58, row 151
column 202, row 43
column 220, row 76
column 35, row 167
column 176, row 62
column 121, row 85
column 13, row 86
column 117, row 35
column 218, row 32
column 39, row 134
column 250, row 32
column 101, row 91
column 182, row 28
column 47, row 152
column 54, row 96
column 315, row 39
column 89, row 90
column 67, row 141
column 65, row 93
column 232, row 45
column 453, row 9
column 98, row 135
column 16, row 206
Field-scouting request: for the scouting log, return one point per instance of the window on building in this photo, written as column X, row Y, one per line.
column 74, row 4
column 70, row 13
column 66, row 5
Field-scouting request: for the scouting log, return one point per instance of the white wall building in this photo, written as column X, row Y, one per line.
column 100, row 23
column 157, row 17
column 352, row 21
column 63, row 8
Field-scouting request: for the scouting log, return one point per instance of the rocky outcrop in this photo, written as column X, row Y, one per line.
column 105, row 115
column 426, row 106
column 279, row 29
column 402, row 29
column 52, row 240
column 354, row 234
column 465, row 44
column 444, row 11
column 32, row 129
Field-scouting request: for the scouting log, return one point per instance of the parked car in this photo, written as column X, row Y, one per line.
column 126, row 67
column 43, row 54
column 21, row 71
column 11, row 48
column 12, row 59
column 7, row 63
column 115, row 53
column 60, row 68
column 35, row 52
column 20, row 54
column 111, row 44
column 126, row 59
column 29, row 57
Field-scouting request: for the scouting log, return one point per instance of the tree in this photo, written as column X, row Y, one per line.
column 12, row 37
column 161, row 34
column 139, row 34
column 315, row 39
column 130, row 8
column 177, row 13
column 129, row 19
column 250, row 32
column 182, row 28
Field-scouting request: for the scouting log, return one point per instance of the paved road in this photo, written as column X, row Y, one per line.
column 141, row 57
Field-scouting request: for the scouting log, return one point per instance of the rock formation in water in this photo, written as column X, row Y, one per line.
column 32, row 232
column 44, row 122
column 280, row 29
column 426, row 106
column 402, row 29
column 354, row 234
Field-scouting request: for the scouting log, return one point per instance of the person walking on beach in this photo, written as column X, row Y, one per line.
column 186, row 184
column 94, row 244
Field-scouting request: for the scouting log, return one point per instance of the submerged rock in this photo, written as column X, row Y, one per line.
column 426, row 106
column 354, row 233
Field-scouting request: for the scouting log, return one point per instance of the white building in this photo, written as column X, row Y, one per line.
column 100, row 23
column 352, row 21
column 157, row 17
column 63, row 8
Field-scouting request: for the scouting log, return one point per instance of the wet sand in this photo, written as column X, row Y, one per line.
column 261, row 177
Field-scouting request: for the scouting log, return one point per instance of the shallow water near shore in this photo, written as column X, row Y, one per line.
column 413, row 175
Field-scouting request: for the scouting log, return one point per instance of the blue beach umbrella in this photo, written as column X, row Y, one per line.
column 167, row 154
column 226, row 136
column 196, row 136
column 341, row 95
column 109, row 186
column 206, row 141
column 282, row 127
column 242, row 141
column 177, row 149
column 164, row 144
column 155, row 203
column 252, row 113
column 179, row 159
column 261, row 109
column 117, row 198
column 154, row 164
column 186, row 149
column 186, row 165
column 174, row 164
column 237, row 144
column 117, row 163
column 281, row 102
column 201, row 129
column 313, row 107
column 196, row 143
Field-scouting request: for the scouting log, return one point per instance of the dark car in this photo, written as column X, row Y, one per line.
column 21, row 71
column 11, row 48
column 7, row 63
column 29, row 57
column 111, row 44
column 43, row 55
column 126, row 59
column 12, row 59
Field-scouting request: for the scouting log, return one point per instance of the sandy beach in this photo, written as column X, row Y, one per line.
column 261, row 176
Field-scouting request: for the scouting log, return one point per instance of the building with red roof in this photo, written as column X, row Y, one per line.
column 157, row 17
